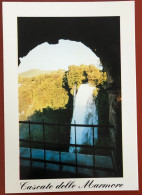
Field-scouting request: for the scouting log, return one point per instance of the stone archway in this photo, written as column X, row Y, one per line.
column 101, row 35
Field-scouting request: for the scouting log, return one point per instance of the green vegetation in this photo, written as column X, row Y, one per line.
column 44, row 91
column 76, row 75
column 53, row 89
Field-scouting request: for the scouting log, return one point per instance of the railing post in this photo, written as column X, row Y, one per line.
column 93, row 151
column 30, row 145
column 59, row 137
column 44, row 145
column 75, row 149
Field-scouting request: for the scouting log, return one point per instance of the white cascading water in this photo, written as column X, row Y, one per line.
column 84, row 112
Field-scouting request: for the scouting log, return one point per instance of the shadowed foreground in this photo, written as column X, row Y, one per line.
column 37, row 169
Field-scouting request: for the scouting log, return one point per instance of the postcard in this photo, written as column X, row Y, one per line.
column 70, row 97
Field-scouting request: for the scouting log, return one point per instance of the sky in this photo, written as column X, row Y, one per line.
column 58, row 56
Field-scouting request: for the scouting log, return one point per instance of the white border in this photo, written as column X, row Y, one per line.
column 126, row 12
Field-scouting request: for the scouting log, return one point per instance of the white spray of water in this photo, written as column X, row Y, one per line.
column 85, row 112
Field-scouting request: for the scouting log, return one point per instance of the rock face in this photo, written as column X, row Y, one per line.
column 102, row 35
column 116, row 132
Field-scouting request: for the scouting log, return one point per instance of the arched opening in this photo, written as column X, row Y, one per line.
column 79, row 71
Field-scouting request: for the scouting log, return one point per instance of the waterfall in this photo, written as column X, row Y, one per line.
column 84, row 112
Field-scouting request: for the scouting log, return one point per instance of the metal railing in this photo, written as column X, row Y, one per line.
column 60, row 144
